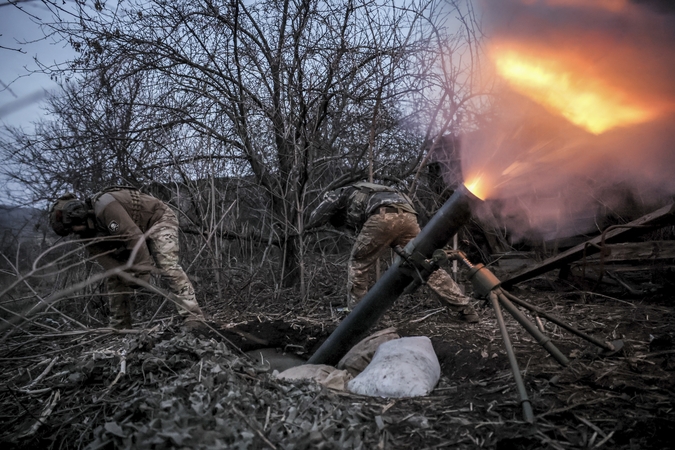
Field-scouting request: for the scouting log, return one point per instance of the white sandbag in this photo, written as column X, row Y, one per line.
column 323, row 374
column 406, row 367
column 358, row 358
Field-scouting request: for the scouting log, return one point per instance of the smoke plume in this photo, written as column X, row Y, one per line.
column 584, row 122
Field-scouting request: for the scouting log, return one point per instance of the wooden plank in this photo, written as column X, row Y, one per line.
column 657, row 219
column 636, row 251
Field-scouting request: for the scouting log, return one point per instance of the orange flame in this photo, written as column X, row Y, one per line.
column 478, row 186
column 565, row 88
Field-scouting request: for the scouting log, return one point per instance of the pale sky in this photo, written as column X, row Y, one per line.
column 20, row 93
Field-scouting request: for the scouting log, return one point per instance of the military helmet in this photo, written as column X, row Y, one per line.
column 66, row 212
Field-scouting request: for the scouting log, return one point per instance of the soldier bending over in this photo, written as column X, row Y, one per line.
column 116, row 219
column 382, row 217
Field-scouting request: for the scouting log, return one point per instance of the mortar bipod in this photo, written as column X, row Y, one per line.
column 609, row 347
column 484, row 282
column 487, row 285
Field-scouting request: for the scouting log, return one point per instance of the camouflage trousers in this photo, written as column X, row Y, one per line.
column 389, row 229
column 162, row 241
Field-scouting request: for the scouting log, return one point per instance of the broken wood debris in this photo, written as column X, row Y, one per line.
column 657, row 219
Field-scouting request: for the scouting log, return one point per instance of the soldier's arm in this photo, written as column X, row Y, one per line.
column 330, row 205
column 112, row 215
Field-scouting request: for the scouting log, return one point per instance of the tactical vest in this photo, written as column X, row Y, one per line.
column 373, row 187
column 367, row 197
column 135, row 199
column 370, row 188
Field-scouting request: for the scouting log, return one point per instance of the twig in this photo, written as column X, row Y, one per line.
column 105, row 330
column 589, row 424
column 665, row 352
column 609, row 436
column 262, row 436
column 121, row 271
column 42, row 375
column 51, row 402
column 428, row 315
column 598, row 295
column 267, row 418
column 123, row 369
column 35, row 392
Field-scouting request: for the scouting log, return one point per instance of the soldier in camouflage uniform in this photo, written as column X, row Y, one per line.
column 120, row 221
column 382, row 218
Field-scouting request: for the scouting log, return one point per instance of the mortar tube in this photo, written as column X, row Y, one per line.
column 520, row 385
column 453, row 215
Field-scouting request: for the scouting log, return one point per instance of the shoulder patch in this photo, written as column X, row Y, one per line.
column 113, row 226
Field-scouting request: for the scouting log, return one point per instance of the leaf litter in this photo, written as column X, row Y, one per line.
column 167, row 388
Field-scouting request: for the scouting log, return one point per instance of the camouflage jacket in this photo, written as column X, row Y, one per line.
column 351, row 206
column 121, row 217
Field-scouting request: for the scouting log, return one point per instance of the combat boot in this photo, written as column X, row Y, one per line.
column 195, row 324
column 469, row 315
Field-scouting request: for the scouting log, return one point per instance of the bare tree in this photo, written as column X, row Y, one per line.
column 302, row 96
column 99, row 136
column 279, row 83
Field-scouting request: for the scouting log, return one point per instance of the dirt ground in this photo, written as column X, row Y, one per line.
column 181, row 390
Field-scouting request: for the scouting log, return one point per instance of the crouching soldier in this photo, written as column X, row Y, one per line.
column 119, row 221
column 382, row 218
